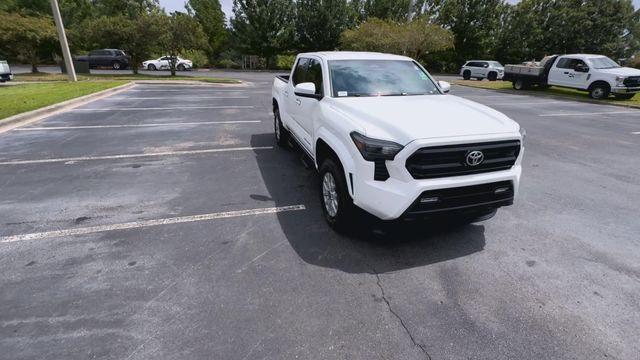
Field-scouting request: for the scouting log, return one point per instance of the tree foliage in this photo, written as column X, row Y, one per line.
column 26, row 38
column 210, row 16
column 319, row 23
column 263, row 27
column 182, row 32
column 415, row 38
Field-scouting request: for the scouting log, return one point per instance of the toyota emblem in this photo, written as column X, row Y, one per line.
column 475, row 158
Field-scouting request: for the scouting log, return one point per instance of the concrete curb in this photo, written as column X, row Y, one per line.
column 551, row 96
column 38, row 114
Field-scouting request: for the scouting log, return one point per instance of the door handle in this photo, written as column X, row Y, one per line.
column 298, row 102
column 566, row 72
column 286, row 93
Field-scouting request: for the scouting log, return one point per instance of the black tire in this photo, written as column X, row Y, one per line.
column 181, row 67
column 466, row 74
column 599, row 91
column 342, row 215
column 116, row 65
column 519, row 84
column 152, row 67
column 281, row 134
column 492, row 76
column 624, row 96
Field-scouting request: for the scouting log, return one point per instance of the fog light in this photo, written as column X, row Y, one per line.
column 501, row 190
column 429, row 200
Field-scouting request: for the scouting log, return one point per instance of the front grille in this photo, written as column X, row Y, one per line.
column 483, row 196
column 450, row 160
column 632, row 81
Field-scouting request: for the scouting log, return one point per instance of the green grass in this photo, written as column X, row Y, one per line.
column 16, row 99
column 560, row 92
column 100, row 77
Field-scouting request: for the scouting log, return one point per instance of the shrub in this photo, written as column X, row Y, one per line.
column 285, row 62
column 198, row 57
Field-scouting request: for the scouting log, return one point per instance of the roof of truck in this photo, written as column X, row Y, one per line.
column 356, row 55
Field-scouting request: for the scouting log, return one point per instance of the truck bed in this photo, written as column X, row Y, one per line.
column 524, row 70
column 284, row 78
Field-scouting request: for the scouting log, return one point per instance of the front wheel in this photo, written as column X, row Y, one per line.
column 493, row 76
column 116, row 65
column 181, row 67
column 152, row 67
column 337, row 205
column 599, row 91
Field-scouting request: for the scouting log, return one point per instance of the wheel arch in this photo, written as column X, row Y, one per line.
column 602, row 82
column 328, row 145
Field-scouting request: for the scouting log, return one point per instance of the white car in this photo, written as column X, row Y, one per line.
column 163, row 63
column 5, row 71
column 387, row 138
column 597, row 74
column 482, row 69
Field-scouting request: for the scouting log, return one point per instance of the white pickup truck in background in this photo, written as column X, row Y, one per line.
column 597, row 74
column 387, row 138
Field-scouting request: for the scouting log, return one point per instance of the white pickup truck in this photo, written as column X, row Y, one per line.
column 597, row 74
column 387, row 138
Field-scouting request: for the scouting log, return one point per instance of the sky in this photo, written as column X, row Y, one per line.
column 173, row 5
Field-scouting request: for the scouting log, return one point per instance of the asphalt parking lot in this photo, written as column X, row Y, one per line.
column 163, row 223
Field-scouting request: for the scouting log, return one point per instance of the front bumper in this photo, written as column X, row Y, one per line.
column 398, row 195
column 625, row 90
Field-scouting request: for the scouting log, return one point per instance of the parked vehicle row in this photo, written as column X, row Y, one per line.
column 5, row 71
column 597, row 74
column 118, row 60
column 385, row 137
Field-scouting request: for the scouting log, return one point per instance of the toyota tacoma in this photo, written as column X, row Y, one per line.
column 387, row 138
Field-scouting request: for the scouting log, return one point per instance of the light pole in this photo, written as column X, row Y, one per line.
column 66, row 54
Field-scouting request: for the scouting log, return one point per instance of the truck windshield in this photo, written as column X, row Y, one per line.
column 603, row 63
column 351, row 78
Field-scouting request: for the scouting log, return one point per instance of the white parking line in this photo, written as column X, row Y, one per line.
column 183, row 90
column 130, row 156
column 148, row 223
column 134, row 125
column 523, row 103
column 177, row 97
column 593, row 113
column 166, row 108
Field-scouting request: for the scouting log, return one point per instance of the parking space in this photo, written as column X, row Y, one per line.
column 164, row 223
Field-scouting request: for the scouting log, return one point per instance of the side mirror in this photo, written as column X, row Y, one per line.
column 307, row 89
column 581, row 68
column 445, row 86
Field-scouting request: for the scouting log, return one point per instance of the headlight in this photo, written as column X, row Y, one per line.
column 374, row 149
column 620, row 80
column 523, row 132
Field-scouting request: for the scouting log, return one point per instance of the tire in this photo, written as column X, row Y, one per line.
column 599, row 91
column 492, row 76
column 337, row 205
column 624, row 96
column 281, row 134
column 466, row 75
column 519, row 84
column 116, row 65
column 181, row 67
column 152, row 67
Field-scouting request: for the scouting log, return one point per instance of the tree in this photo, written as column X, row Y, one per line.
column 264, row 27
column 397, row 10
column 210, row 16
column 319, row 23
column 137, row 37
column 415, row 39
column 182, row 32
column 25, row 38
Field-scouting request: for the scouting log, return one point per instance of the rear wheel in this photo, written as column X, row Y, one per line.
column 519, row 84
column 493, row 76
column 466, row 74
column 282, row 134
column 599, row 91
column 337, row 205
column 624, row 96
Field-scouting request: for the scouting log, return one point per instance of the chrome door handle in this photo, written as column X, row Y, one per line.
column 286, row 93
column 298, row 102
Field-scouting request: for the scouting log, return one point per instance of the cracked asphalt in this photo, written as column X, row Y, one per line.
column 153, row 244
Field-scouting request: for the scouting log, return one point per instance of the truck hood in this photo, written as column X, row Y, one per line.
column 621, row 71
column 407, row 118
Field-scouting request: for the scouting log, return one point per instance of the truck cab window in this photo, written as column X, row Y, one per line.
column 300, row 73
column 314, row 75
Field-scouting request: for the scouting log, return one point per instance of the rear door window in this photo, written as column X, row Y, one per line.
column 300, row 73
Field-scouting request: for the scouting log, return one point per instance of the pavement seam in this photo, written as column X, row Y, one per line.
column 404, row 326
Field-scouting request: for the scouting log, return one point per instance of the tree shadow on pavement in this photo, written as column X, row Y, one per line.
column 372, row 246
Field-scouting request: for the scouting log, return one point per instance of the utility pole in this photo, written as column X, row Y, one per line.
column 66, row 54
